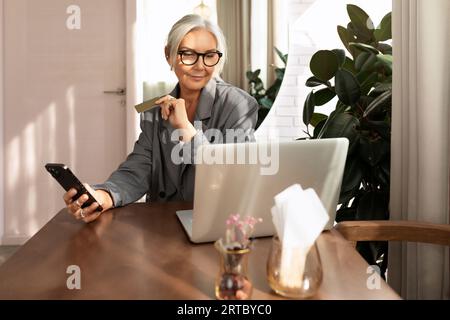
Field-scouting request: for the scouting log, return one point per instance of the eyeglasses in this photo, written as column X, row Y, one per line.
column 190, row 57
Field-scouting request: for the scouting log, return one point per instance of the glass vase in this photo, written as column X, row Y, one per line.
column 303, row 282
column 232, row 282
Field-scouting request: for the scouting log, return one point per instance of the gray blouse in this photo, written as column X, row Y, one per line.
column 149, row 169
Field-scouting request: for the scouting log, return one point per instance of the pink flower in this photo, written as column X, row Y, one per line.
column 238, row 231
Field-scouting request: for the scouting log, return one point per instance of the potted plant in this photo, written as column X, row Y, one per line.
column 362, row 83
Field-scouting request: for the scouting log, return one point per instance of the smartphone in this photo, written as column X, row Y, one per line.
column 68, row 180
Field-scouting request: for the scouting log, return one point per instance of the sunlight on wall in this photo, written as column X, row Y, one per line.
column 70, row 102
column 12, row 169
column 22, row 155
column 13, row 162
column 30, row 192
column 29, row 150
column 50, row 116
column 47, row 140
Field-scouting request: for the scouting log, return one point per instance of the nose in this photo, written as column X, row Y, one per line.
column 199, row 65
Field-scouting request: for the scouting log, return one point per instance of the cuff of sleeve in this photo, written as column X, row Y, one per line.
column 113, row 191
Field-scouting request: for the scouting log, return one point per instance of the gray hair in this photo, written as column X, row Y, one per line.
column 187, row 24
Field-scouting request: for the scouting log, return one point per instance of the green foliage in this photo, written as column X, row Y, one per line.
column 363, row 85
column 266, row 97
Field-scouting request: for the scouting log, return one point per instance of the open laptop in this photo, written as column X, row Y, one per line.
column 247, row 186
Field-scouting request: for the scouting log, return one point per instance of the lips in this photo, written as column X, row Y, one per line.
column 196, row 77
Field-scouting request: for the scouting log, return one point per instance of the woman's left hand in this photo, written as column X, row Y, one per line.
column 174, row 110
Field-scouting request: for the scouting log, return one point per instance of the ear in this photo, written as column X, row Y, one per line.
column 167, row 55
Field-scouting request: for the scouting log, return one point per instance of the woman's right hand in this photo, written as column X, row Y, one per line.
column 87, row 214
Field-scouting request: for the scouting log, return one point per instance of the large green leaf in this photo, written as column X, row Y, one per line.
column 282, row 56
column 308, row 108
column 381, row 100
column 362, row 36
column 347, row 87
column 340, row 54
column 318, row 127
column 349, row 65
column 386, row 60
column 266, row 103
column 346, row 38
column 362, row 76
column 382, row 87
column 384, row 30
column 365, row 61
column 314, row 82
column 272, row 92
column 324, row 64
column 353, row 174
column 361, row 59
column 364, row 47
column 317, row 118
column 342, row 125
column 279, row 72
column 384, row 48
column 340, row 108
column 361, row 20
column 368, row 83
column 253, row 76
column 259, row 85
column 323, row 96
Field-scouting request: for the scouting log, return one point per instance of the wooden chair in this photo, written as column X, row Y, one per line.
column 380, row 230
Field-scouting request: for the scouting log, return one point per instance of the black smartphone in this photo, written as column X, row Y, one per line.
column 68, row 180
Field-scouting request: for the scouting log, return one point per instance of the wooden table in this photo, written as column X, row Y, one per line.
column 141, row 252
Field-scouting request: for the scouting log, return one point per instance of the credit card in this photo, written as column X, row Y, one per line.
column 147, row 105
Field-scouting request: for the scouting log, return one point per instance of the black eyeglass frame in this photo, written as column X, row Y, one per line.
column 181, row 52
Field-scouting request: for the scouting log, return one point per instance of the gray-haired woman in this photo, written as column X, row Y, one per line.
column 196, row 52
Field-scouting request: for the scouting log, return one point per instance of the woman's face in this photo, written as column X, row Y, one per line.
column 196, row 76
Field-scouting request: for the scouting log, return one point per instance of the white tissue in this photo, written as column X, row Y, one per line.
column 299, row 217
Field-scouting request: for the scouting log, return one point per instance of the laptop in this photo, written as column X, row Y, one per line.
column 243, row 178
